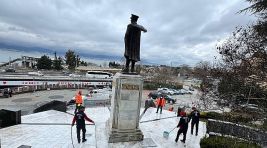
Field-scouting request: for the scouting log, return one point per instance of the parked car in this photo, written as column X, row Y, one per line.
column 154, row 94
column 157, row 94
column 191, row 88
column 169, row 99
column 10, row 70
column 178, row 92
column 38, row 73
column 166, row 91
column 75, row 75
column 66, row 73
column 186, row 91
column 97, row 91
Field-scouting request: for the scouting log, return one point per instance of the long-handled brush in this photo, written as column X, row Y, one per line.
column 71, row 137
column 166, row 133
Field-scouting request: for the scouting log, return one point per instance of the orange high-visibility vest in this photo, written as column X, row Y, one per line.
column 78, row 99
column 161, row 103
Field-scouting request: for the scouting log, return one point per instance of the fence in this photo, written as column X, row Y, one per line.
column 236, row 130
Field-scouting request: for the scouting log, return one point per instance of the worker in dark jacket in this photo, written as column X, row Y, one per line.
column 183, row 126
column 148, row 103
column 194, row 115
column 80, row 118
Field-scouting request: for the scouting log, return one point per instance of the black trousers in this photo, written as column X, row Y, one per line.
column 79, row 128
column 160, row 109
column 180, row 131
column 192, row 126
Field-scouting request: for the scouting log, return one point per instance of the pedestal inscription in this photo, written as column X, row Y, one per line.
column 123, row 124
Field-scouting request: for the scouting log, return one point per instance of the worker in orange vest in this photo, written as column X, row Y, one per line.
column 160, row 102
column 78, row 100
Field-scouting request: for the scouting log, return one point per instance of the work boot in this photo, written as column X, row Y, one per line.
column 182, row 141
column 84, row 140
column 79, row 140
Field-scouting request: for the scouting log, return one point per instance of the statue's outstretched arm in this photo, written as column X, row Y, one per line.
column 143, row 28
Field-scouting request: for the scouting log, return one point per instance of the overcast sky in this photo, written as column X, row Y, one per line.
column 179, row 31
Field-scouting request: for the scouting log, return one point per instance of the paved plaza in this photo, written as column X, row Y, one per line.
column 52, row 129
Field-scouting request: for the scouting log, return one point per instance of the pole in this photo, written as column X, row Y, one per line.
column 34, row 86
column 78, row 83
column 9, row 61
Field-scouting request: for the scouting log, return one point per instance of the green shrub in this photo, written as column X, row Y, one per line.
column 225, row 142
column 238, row 117
column 231, row 117
column 214, row 115
column 203, row 114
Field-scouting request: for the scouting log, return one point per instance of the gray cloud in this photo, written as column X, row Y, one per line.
column 182, row 32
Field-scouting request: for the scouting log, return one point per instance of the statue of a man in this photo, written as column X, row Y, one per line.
column 132, row 43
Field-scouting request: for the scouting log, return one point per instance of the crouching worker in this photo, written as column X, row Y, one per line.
column 80, row 118
column 183, row 124
column 148, row 103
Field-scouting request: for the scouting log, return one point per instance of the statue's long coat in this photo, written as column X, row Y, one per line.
column 132, row 42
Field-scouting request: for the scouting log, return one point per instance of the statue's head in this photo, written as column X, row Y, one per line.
column 134, row 18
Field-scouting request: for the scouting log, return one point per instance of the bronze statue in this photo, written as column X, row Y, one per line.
column 132, row 43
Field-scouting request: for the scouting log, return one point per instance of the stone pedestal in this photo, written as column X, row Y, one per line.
column 123, row 125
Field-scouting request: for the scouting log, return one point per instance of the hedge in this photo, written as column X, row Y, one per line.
column 231, row 116
column 240, row 118
column 225, row 142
